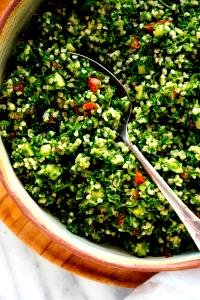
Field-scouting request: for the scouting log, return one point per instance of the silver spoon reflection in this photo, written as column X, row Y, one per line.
column 188, row 218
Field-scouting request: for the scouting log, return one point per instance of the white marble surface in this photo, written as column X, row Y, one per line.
column 26, row 276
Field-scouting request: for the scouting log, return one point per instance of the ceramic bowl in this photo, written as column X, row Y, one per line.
column 11, row 23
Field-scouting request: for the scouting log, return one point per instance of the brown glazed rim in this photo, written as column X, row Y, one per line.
column 188, row 264
column 10, row 8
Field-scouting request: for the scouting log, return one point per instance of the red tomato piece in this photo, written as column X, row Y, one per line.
column 135, row 232
column 139, row 178
column 184, row 175
column 52, row 120
column 135, row 44
column 76, row 110
column 55, row 65
column 87, row 114
column 150, row 27
column 19, row 87
column 135, row 194
column 174, row 94
column 12, row 135
column 94, row 84
column 121, row 218
column 89, row 106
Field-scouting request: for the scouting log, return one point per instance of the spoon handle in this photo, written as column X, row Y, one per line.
column 188, row 218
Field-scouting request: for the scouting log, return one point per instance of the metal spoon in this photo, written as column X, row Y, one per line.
column 188, row 218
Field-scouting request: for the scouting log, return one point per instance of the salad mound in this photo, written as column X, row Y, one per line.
column 60, row 118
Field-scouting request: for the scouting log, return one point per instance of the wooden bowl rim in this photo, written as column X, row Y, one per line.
column 11, row 6
column 187, row 264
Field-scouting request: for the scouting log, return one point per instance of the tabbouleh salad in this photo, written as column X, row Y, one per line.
column 60, row 118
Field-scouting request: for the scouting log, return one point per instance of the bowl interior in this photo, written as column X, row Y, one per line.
column 10, row 26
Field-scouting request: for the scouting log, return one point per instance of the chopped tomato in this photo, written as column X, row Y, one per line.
column 76, row 110
column 135, row 194
column 52, row 120
column 18, row 116
column 12, row 135
column 121, row 218
column 139, row 178
column 184, row 175
column 166, row 252
column 192, row 124
column 174, row 94
column 18, row 87
column 150, row 27
column 89, row 106
column 135, row 44
column 94, row 84
column 135, row 232
column 87, row 114
column 55, row 65
column 56, row 149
